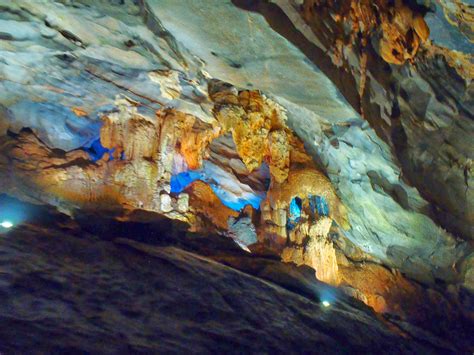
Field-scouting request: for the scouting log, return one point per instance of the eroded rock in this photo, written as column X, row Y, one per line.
column 275, row 128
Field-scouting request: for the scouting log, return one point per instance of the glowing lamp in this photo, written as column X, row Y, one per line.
column 325, row 303
column 6, row 224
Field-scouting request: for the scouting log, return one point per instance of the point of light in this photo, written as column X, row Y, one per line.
column 326, row 303
column 6, row 224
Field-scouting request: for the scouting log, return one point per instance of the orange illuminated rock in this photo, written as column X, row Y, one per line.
column 205, row 202
column 195, row 141
column 308, row 242
column 309, row 245
column 183, row 133
column 127, row 131
column 79, row 111
column 304, row 182
column 279, row 155
column 402, row 30
column 401, row 34
column 421, row 28
column 71, row 180
column 258, row 130
column 386, row 291
column 250, row 136
column 148, row 151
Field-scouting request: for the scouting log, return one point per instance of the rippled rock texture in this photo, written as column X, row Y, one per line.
column 330, row 134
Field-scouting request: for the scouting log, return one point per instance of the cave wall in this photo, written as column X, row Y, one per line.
column 104, row 103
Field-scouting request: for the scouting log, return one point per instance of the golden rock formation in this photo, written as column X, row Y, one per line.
column 382, row 289
column 128, row 132
column 302, row 183
column 402, row 34
column 258, row 130
column 279, row 155
column 249, row 128
column 146, row 151
column 402, row 30
column 206, row 203
column 309, row 245
column 186, row 134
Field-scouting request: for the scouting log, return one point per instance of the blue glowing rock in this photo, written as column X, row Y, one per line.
column 227, row 188
column 182, row 180
column 322, row 206
column 96, row 150
column 318, row 204
column 295, row 213
column 55, row 124
column 236, row 204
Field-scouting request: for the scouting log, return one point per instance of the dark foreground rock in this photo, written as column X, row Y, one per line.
column 65, row 290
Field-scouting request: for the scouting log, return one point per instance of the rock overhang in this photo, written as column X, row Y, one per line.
column 239, row 47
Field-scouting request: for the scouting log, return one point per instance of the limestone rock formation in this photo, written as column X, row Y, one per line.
column 331, row 135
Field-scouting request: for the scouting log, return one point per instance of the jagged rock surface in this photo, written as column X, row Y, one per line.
column 263, row 92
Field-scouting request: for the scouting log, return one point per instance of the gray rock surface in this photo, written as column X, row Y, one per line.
column 445, row 30
column 63, row 64
column 68, row 290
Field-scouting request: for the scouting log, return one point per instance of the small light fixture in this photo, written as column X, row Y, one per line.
column 326, row 303
column 6, row 224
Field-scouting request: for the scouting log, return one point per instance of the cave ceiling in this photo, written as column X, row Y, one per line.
column 385, row 133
